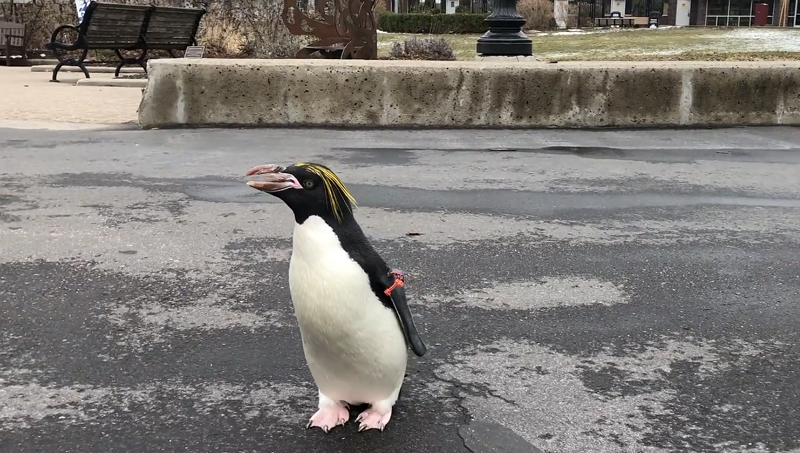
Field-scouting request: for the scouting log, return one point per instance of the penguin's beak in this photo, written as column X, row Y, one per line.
column 274, row 180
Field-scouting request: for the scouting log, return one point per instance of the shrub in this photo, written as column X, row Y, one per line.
column 432, row 23
column 538, row 14
column 422, row 49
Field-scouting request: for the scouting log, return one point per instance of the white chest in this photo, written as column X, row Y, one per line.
column 331, row 293
column 353, row 344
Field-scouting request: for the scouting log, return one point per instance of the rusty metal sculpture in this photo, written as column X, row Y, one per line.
column 342, row 28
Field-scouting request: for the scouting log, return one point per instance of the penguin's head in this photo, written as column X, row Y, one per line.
column 309, row 189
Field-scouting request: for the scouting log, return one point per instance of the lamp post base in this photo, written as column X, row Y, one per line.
column 504, row 44
column 505, row 36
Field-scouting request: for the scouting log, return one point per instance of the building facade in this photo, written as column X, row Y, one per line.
column 720, row 13
column 727, row 13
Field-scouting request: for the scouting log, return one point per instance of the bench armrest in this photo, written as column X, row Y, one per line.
column 9, row 39
column 54, row 44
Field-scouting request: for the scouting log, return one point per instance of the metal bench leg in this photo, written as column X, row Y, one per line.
column 141, row 60
column 303, row 53
column 61, row 49
column 78, row 63
column 122, row 61
column 119, row 67
column 55, row 71
column 84, row 69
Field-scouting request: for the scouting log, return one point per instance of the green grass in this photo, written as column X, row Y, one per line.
column 643, row 44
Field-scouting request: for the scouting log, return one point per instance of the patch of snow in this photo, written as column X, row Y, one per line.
column 583, row 31
column 760, row 40
column 569, row 32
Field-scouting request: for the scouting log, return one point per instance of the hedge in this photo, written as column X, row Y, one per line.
column 432, row 23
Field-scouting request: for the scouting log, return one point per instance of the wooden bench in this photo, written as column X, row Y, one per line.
column 120, row 27
column 173, row 29
column 12, row 39
column 611, row 21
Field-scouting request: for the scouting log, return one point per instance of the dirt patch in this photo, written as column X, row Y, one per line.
column 30, row 96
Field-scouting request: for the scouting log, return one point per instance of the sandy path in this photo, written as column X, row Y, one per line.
column 29, row 99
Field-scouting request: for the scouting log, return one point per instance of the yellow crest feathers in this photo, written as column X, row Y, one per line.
column 332, row 184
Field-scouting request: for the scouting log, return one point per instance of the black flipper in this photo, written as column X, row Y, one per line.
column 400, row 305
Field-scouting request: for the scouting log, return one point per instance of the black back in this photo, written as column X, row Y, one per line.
column 362, row 252
column 356, row 244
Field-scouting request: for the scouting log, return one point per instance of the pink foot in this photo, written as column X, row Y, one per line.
column 329, row 417
column 372, row 419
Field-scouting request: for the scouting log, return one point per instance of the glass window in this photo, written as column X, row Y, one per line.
column 637, row 7
column 733, row 13
column 740, row 7
column 770, row 6
column 717, row 7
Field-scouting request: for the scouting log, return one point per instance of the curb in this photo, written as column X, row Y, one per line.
column 92, row 69
column 127, row 83
column 492, row 93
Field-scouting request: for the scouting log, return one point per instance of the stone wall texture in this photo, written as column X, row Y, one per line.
column 494, row 94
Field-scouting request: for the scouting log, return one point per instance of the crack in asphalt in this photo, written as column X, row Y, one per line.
column 458, row 392
column 459, row 399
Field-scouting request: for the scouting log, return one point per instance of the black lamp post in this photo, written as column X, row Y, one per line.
column 505, row 36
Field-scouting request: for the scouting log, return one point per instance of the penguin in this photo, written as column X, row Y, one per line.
column 351, row 308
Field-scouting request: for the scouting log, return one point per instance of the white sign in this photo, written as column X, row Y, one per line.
column 619, row 5
column 194, row 52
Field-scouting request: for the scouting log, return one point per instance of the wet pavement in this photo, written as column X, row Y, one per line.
column 629, row 291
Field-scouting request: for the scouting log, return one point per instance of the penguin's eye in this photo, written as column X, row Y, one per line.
column 308, row 184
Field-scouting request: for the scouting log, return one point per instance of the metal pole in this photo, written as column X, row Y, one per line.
column 505, row 36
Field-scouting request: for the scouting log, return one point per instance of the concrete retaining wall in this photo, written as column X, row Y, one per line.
column 498, row 94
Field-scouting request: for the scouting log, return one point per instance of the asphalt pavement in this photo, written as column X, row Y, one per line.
column 579, row 291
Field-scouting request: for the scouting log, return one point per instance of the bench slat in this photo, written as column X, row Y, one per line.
column 115, row 26
column 172, row 28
